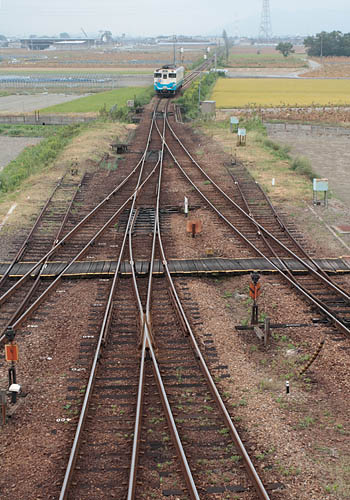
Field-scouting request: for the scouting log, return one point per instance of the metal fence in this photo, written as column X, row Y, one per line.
column 76, row 81
column 308, row 128
column 38, row 119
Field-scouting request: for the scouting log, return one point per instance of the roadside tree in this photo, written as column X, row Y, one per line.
column 285, row 48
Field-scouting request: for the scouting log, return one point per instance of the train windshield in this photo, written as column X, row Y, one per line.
column 157, row 75
column 172, row 75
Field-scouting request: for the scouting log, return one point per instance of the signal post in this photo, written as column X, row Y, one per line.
column 254, row 292
column 11, row 356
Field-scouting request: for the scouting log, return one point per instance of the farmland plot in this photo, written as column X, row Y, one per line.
column 280, row 92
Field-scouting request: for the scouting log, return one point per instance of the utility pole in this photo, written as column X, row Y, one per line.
column 175, row 50
column 199, row 93
column 265, row 32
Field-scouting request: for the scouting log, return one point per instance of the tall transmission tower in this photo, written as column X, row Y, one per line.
column 265, row 32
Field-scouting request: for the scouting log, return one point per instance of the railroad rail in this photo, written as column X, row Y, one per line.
column 332, row 301
column 79, row 241
column 157, row 305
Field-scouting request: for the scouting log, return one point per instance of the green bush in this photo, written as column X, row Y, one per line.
column 14, row 132
column 123, row 113
column 34, row 159
column 253, row 123
column 189, row 102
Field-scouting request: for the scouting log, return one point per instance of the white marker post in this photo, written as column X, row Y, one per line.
column 186, row 206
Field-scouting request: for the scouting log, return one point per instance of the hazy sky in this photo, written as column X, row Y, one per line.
column 154, row 17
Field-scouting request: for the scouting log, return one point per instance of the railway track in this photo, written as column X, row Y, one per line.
column 330, row 300
column 90, row 236
column 150, row 397
column 166, row 359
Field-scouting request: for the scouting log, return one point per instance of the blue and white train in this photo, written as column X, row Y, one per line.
column 168, row 80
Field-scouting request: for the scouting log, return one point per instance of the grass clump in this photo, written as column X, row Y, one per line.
column 34, row 159
column 253, row 123
column 302, row 166
column 298, row 164
column 278, row 150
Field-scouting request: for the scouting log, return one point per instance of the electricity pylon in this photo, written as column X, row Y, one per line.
column 265, row 32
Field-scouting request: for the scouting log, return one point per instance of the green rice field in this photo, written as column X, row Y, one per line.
column 95, row 102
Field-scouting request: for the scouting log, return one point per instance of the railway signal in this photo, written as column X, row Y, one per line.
column 254, row 292
column 11, row 352
column 194, row 227
column 11, row 356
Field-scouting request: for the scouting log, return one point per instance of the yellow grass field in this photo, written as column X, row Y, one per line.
column 272, row 92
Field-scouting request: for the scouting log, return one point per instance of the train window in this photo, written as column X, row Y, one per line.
column 165, row 76
column 172, row 75
column 157, row 75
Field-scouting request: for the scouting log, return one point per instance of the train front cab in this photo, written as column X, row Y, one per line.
column 165, row 84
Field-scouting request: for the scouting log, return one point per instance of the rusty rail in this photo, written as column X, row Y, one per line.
column 259, row 487
column 32, row 290
column 34, row 269
column 102, row 339
column 147, row 345
column 26, row 241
